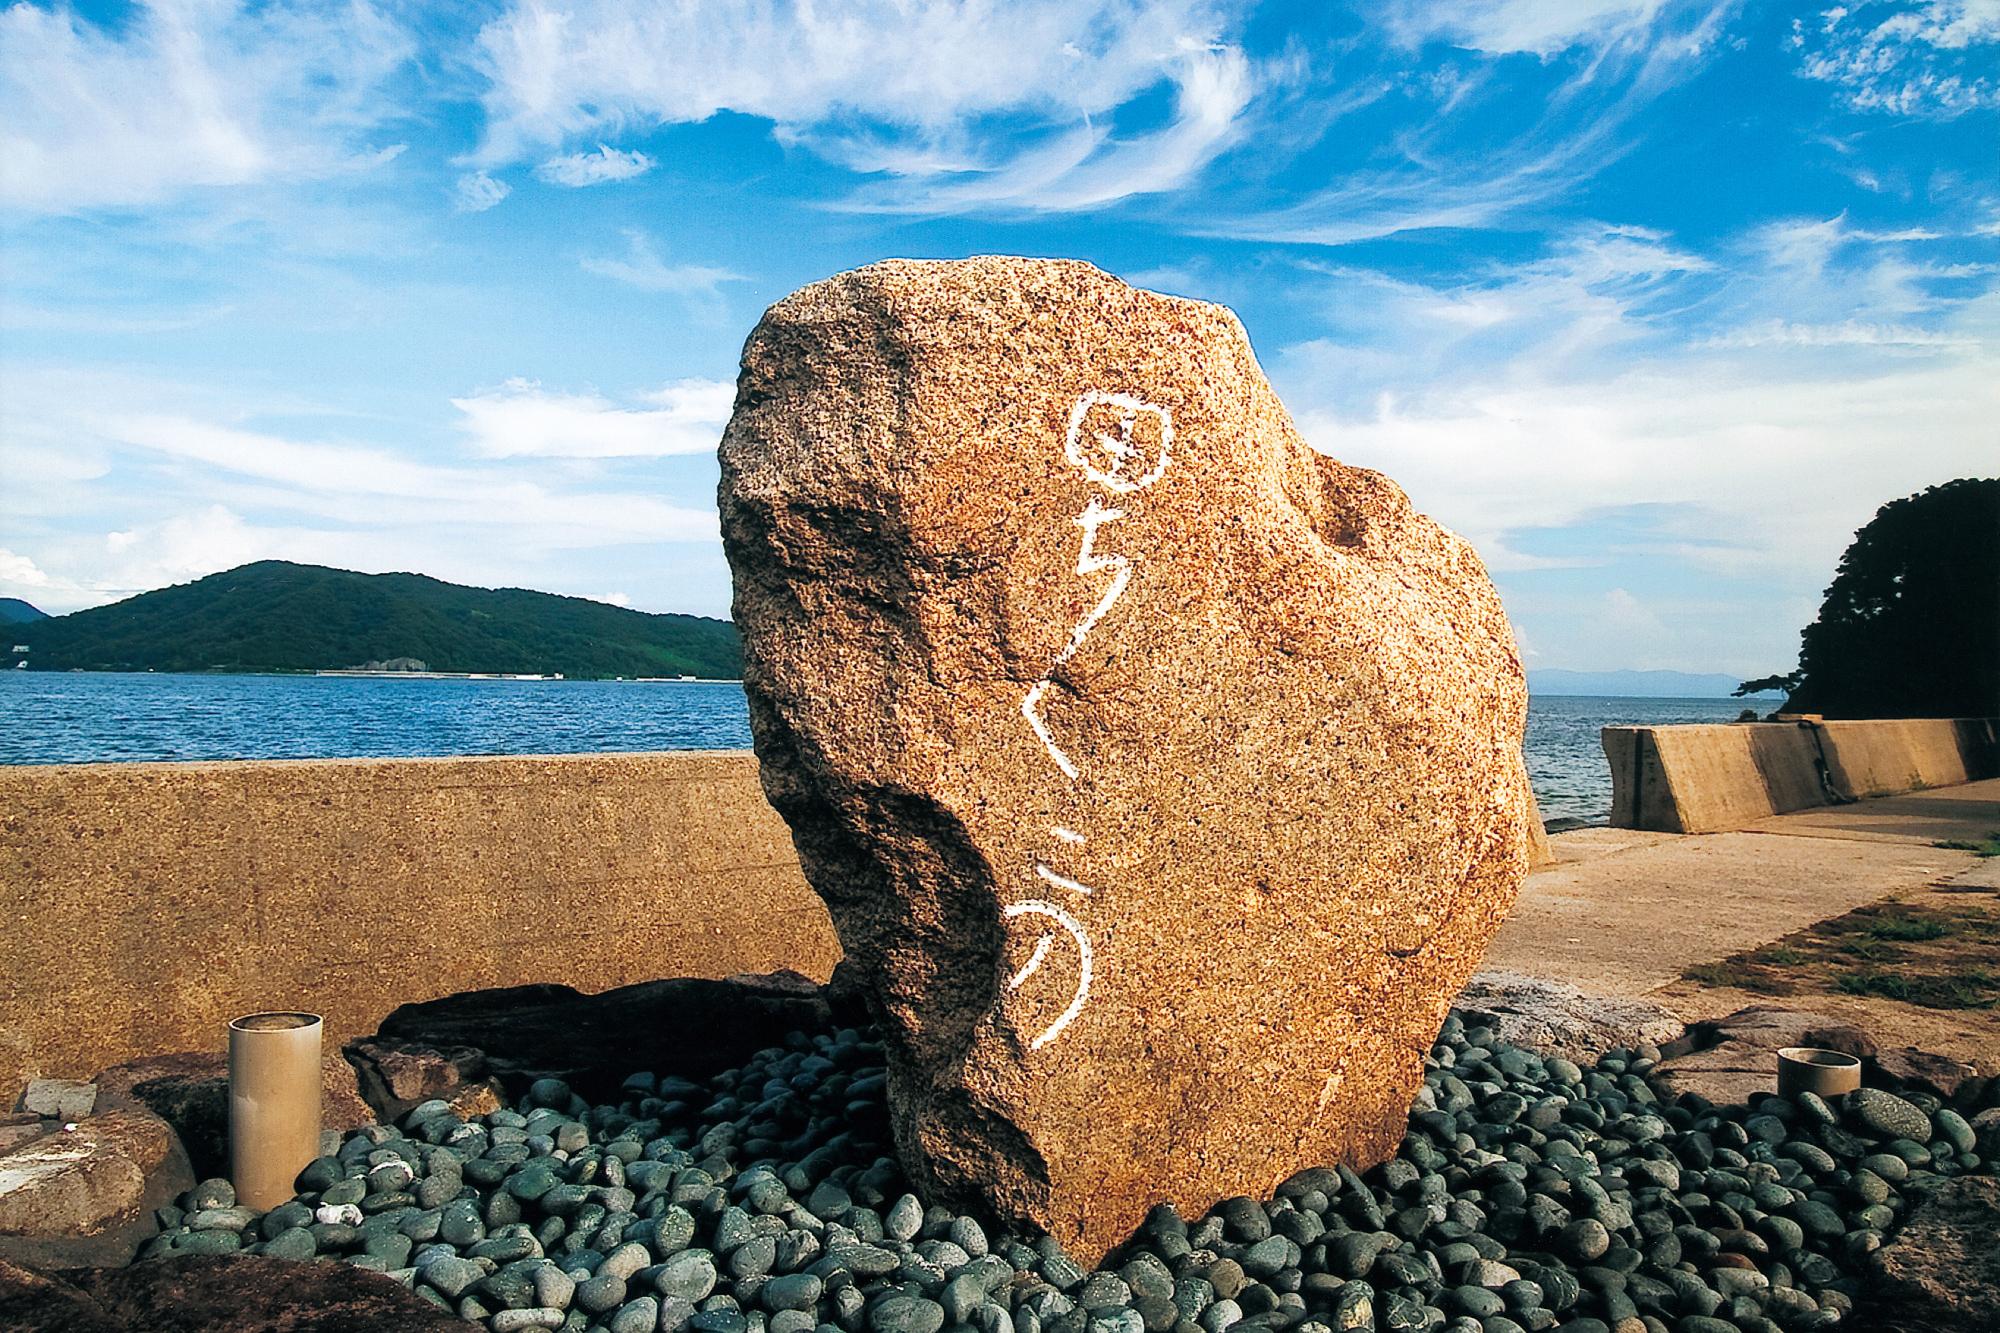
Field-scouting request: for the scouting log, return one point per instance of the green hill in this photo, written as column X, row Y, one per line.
column 14, row 611
column 278, row 616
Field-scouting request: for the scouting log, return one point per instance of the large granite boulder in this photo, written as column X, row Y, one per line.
column 1162, row 775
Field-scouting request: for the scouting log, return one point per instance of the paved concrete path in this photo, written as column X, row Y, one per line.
column 1626, row 912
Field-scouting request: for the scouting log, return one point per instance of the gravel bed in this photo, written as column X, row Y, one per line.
column 1529, row 1194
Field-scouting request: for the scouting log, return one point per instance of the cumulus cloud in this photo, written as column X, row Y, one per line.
column 520, row 419
column 607, row 164
column 913, row 92
column 186, row 94
column 17, row 571
column 1906, row 59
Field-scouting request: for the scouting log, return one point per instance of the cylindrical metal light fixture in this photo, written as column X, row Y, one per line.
column 1823, row 1073
column 274, row 1104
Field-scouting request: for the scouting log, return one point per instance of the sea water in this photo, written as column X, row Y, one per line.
column 88, row 717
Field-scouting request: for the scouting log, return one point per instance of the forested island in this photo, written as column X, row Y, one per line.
column 278, row 616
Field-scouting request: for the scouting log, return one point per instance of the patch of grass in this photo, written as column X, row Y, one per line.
column 1989, row 847
column 1909, row 928
column 1903, row 952
column 1887, row 984
column 1739, row 974
column 1873, row 950
column 1967, row 988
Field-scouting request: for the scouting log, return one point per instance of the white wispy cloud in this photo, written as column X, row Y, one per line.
column 475, row 192
column 883, row 86
column 117, row 483
column 1847, row 333
column 1539, row 27
column 1903, row 58
column 1448, row 170
column 607, row 164
column 368, row 483
column 1775, row 391
column 1088, row 166
column 185, row 94
column 641, row 266
column 521, row 419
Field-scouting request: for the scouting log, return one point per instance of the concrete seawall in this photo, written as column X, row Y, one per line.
column 1708, row 779
column 147, row 904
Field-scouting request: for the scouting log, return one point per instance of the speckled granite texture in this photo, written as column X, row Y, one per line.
column 1162, row 775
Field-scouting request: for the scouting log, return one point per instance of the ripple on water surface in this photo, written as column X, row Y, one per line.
column 83, row 717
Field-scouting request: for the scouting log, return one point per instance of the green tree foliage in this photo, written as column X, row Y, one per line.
column 1911, row 624
column 278, row 616
column 1766, row 684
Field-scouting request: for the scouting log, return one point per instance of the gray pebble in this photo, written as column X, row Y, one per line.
column 689, row 1275
column 636, row 1316
column 1886, row 1114
column 794, row 1291
column 905, row 1219
column 906, row 1314
column 606, row 1291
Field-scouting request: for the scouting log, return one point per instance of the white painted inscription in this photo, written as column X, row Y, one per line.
column 1122, row 444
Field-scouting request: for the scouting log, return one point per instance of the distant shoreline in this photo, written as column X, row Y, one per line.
column 355, row 673
column 554, row 678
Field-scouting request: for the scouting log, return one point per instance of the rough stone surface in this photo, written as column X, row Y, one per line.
column 1556, row 1019
column 1162, row 775
column 35, row 1302
column 19, row 1127
column 190, row 1091
column 1942, row 1270
column 691, row 1023
column 1910, row 1067
column 1734, row 1059
column 86, row 1195
column 223, row 1294
column 396, row 1076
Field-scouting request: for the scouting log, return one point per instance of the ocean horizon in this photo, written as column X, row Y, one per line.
column 131, row 717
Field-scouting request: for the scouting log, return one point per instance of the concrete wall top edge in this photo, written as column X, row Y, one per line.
column 141, row 767
column 1710, row 777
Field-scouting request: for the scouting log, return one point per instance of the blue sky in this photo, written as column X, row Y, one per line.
column 1654, row 302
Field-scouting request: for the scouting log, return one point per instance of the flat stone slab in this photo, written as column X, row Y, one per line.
column 59, row 1098
column 190, row 1091
column 1557, row 1019
column 1737, row 1057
